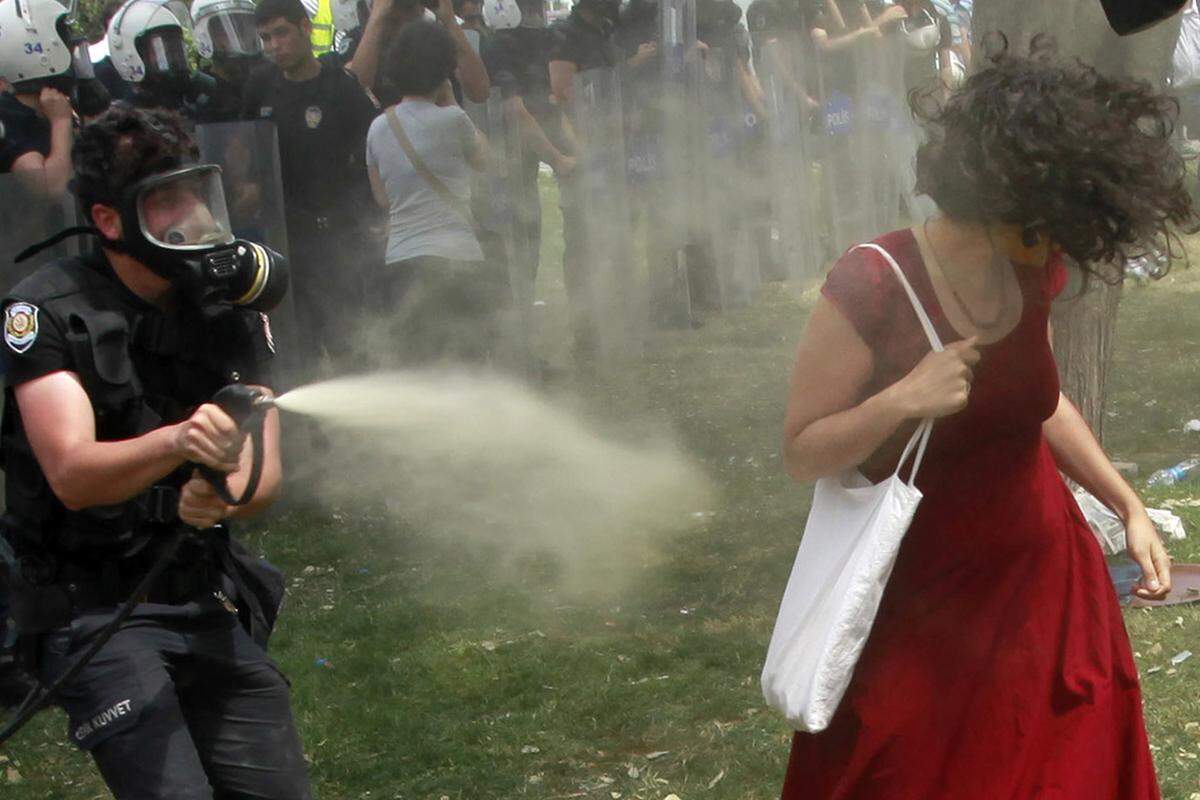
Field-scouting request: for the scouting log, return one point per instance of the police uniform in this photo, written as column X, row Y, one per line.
column 22, row 130
column 517, row 61
column 183, row 697
column 322, row 125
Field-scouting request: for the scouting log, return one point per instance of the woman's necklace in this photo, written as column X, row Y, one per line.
column 997, row 266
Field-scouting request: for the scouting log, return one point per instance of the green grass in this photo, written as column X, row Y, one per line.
column 450, row 682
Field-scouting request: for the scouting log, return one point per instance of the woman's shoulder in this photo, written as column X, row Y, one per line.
column 868, row 263
column 862, row 284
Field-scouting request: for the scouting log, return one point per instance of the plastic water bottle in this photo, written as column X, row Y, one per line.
column 1174, row 475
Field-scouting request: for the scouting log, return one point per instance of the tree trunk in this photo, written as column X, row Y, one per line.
column 1084, row 330
column 1084, row 325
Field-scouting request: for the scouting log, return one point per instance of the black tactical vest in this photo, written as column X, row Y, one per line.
column 141, row 368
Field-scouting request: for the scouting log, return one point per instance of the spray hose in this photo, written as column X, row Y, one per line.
column 248, row 409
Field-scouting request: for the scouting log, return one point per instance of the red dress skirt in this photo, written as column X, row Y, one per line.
column 998, row 667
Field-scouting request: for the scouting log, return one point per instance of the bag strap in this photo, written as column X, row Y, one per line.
column 426, row 174
column 920, row 438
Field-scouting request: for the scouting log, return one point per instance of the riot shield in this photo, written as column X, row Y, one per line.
column 892, row 132
column 31, row 213
column 728, row 196
column 796, row 230
column 505, row 207
column 248, row 155
column 600, row 272
column 663, row 147
column 851, row 157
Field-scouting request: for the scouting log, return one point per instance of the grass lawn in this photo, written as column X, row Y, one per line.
column 444, row 681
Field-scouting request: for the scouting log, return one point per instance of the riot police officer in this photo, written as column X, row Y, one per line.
column 110, row 362
column 225, row 35
column 148, row 47
column 582, row 41
column 41, row 60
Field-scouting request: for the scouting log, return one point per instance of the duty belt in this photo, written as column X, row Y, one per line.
column 109, row 584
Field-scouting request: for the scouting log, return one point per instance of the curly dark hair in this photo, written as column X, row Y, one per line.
column 420, row 59
column 124, row 145
column 1084, row 158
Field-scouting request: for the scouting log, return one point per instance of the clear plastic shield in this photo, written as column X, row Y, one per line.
column 869, row 141
column 729, row 197
column 664, row 144
column 850, row 157
column 607, row 300
column 505, row 207
column 30, row 212
column 894, row 134
column 248, row 155
column 799, row 249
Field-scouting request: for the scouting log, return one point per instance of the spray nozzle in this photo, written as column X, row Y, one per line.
column 247, row 406
column 243, row 403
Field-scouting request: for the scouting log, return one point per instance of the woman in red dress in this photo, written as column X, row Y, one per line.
column 998, row 667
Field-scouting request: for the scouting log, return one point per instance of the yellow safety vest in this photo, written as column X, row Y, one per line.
column 322, row 28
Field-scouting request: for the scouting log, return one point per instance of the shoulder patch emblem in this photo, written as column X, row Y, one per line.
column 20, row 326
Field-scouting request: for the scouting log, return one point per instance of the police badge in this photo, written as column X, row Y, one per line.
column 20, row 326
column 312, row 117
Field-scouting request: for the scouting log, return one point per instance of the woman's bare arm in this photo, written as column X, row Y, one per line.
column 828, row 428
column 1080, row 457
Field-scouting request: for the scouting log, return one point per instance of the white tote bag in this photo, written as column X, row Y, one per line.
column 849, row 547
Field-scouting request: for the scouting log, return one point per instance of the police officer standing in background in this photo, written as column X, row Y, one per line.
column 111, row 361
column 225, row 34
column 583, row 40
column 322, row 115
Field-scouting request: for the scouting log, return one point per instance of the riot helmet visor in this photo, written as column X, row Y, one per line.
column 185, row 210
column 233, row 34
column 163, row 51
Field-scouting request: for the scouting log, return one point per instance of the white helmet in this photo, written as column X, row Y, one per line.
column 146, row 37
column 501, row 15
column 922, row 32
column 34, row 40
column 225, row 28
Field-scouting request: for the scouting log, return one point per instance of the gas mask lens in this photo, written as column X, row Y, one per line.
column 234, row 34
column 163, row 52
column 185, row 210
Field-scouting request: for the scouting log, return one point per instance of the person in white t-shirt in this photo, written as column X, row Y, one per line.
column 435, row 285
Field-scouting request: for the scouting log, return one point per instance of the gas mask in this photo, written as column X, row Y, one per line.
column 176, row 223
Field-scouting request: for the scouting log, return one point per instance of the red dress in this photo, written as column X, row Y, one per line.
column 998, row 667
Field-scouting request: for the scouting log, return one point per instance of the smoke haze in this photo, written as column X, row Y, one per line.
column 484, row 460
